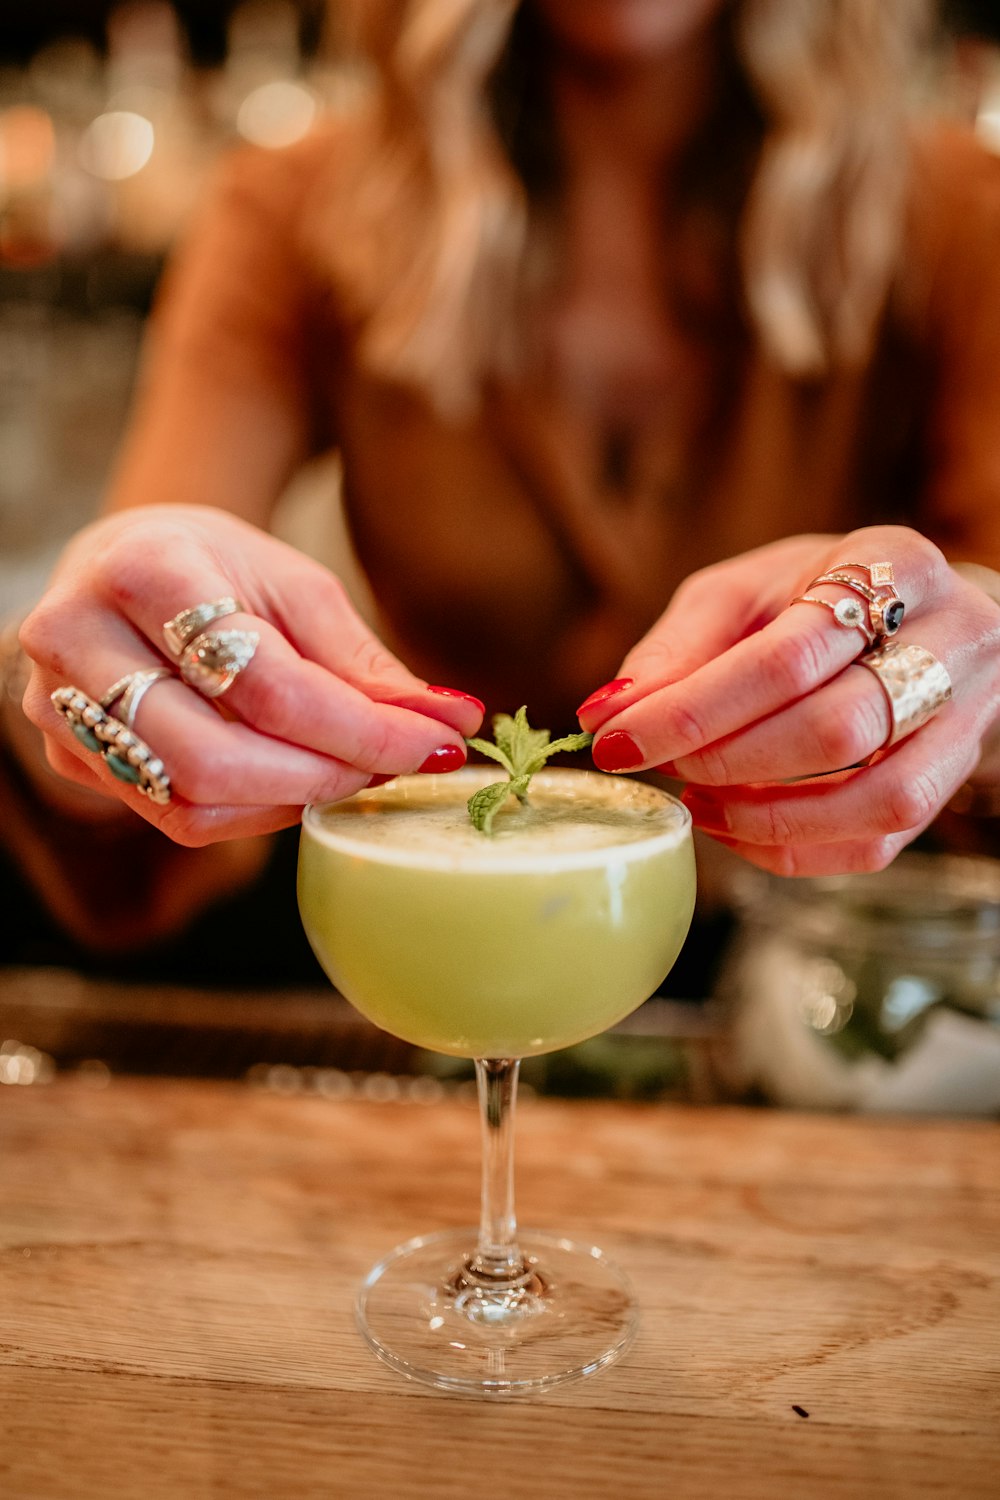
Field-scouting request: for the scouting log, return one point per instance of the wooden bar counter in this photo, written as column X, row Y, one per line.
column 178, row 1260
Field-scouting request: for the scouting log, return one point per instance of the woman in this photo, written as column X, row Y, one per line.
column 631, row 319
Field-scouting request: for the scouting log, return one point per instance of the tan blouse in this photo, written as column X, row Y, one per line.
column 499, row 563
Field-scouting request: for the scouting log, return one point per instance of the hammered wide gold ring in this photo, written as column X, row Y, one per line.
column 914, row 682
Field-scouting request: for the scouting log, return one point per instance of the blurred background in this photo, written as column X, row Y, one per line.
column 111, row 115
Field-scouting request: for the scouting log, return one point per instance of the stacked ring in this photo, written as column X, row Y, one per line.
column 885, row 609
column 847, row 612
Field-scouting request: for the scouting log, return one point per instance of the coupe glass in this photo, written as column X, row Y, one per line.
column 496, row 948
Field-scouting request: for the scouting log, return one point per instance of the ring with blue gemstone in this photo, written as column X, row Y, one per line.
column 126, row 756
column 885, row 608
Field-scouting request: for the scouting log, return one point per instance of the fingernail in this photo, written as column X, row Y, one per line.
column 380, row 779
column 617, row 751
column 444, row 758
column 599, row 695
column 706, row 812
column 447, row 692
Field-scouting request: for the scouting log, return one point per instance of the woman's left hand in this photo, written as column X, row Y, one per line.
column 749, row 701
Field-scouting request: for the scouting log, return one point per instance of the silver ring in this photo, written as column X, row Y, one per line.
column 914, row 682
column 131, row 689
column 184, row 627
column 213, row 661
column 126, row 756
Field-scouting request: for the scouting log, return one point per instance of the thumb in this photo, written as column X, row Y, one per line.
column 709, row 613
column 324, row 625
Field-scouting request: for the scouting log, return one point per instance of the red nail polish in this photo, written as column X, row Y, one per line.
column 706, row 812
column 447, row 692
column 599, row 695
column 444, row 758
column 380, row 779
column 617, row 751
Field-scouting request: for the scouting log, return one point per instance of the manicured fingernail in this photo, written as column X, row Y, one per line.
column 447, row 692
column 444, row 758
column 617, row 751
column 380, row 779
column 599, row 695
column 706, row 812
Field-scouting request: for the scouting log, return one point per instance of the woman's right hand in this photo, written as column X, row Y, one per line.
column 321, row 709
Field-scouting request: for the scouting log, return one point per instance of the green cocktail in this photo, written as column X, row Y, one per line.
column 548, row 932
column 498, row 947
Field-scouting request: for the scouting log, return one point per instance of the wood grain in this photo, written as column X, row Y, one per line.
column 178, row 1260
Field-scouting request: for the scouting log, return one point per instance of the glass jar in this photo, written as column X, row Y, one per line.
column 868, row 992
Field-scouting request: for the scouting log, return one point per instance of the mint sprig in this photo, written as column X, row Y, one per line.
column 521, row 751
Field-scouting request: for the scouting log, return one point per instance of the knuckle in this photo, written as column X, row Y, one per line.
column 270, row 700
column 182, row 825
column 780, row 829
column 370, row 659
column 847, row 737
column 41, row 632
column 687, row 729
column 714, row 766
column 912, row 802
column 793, row 666
column 874, row 855
column 787, row 862
column 201, row 779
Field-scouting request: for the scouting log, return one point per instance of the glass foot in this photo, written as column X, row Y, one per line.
column 569, row 1312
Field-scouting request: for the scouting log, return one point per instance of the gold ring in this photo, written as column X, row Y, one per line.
column 914, row 682
column 847, row 612
column 885, row 610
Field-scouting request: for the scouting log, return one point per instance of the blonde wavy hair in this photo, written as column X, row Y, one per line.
column 430, row 220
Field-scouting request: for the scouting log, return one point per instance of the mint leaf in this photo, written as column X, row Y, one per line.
column 522, row 751
column 518, row 740
column 487, row 802
column 494, row 752
column 568, row 743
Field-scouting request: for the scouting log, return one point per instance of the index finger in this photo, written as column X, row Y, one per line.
column 785, row 660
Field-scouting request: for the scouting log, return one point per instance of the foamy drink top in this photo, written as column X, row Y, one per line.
column 570, row 817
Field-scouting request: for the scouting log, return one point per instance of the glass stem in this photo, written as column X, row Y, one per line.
column 497, row 1256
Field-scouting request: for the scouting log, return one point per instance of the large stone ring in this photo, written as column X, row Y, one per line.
column 184, row 627
column 914, row 682
column 212, row 661
column 126, row 756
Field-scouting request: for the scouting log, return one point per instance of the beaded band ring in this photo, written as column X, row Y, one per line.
column 126, row 756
